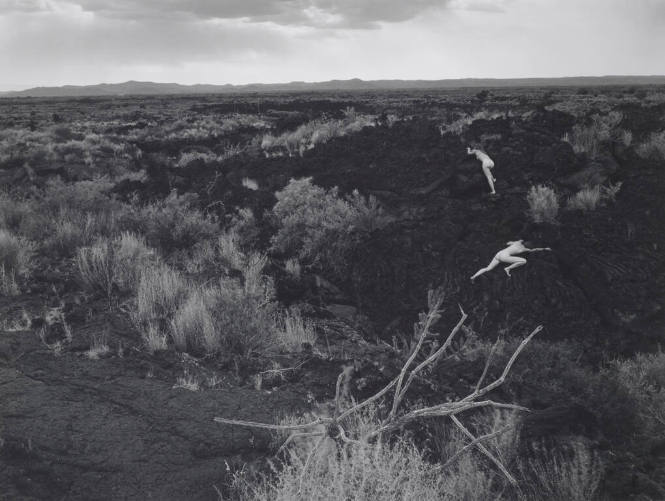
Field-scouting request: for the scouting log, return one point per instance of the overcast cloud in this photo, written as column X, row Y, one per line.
column 55, row 42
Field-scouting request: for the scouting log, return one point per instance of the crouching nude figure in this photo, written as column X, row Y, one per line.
column 487, row 165
column 508, row 256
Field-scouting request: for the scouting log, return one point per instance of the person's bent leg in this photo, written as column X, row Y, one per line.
column 515, row 261
column 491, row 266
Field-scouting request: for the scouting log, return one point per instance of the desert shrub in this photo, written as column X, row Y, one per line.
column 14, row 212
column 15, row 261
column 237, row 315
column 563, row 473
column 654, row 147
column 319, row 226
column 224, row 318
column 553, row 375
column 69, row 230
column 82, row 196
column 215, row 257
column 543, row 204
column 295, row 330
column 589, row 138
column 245, row 226
column 591, row 197
column 644, row 378
column 172, row 223
column 109, row 266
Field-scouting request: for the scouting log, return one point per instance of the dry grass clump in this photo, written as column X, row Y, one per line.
column 250, row 184
column 187, row 381
column 586, row 199
column 566, row 473
column 110, row 266
column 98, row 346
column 15, row 261
column 295, row 331
column 591, row 197
column 160, row 292
column 543, row 204
column 377, row 471
column 69, row 230
column 654, row 147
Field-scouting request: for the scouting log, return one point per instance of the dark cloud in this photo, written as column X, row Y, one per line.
column 314, row 13
column 24, row 6
column 108, row 41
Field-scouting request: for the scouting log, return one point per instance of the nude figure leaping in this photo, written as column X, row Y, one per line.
column 507, row 256
column 487, row 165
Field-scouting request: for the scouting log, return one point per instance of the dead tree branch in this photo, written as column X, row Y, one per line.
column 334, row 426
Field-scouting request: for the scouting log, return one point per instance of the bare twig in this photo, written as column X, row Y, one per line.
column 308, row 460
column 506, row 370
column 278, row 427
column 487, row 365
column 338, row 388
column 285, row 369
column 430, row 360
column 294, row 436
column 432, row 316
column 474, row 442
column 484, row 450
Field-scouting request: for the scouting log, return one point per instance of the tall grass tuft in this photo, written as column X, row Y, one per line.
column 114, row 266
column 543, row 204
column 570, row 473
column 295, row 331
column 160, row 292
column 15, row 261
column 586, row 199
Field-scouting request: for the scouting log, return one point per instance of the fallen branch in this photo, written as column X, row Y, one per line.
column 333, row 427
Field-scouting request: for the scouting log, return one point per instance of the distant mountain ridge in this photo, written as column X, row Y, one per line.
column 153, row 88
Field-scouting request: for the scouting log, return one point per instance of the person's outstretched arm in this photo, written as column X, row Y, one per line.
column 538, row 249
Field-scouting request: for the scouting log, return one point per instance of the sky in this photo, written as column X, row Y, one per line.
column 80, row 42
